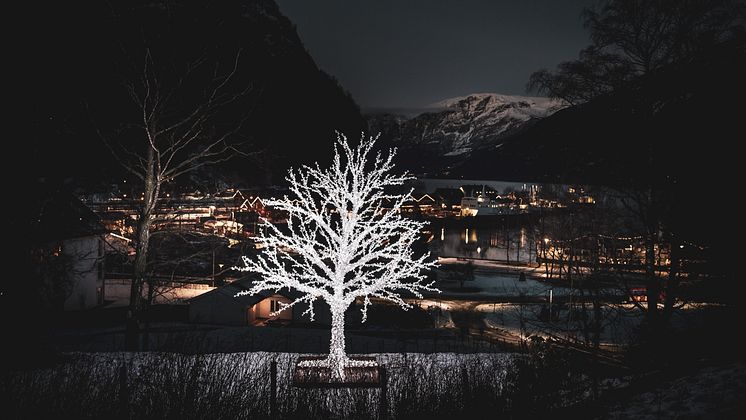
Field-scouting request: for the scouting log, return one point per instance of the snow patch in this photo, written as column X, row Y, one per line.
column 460, row 151
column 536, row 102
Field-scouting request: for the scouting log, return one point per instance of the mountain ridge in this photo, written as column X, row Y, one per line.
column 453, row 128
column 86, row 90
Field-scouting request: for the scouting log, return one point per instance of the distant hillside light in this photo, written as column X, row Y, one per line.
column 339, row 244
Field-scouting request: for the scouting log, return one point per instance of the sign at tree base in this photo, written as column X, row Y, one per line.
column 354, row 376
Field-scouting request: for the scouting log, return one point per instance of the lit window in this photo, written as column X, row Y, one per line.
column 274, row 305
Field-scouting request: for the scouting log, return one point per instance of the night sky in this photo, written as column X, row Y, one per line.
column 395, row 53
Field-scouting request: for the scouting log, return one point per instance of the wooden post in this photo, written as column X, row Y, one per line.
column 384, row 406
column 124, row 397
column 273, row 390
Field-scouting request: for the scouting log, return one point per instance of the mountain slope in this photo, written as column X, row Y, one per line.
column 675, row 135
column 456, row 127
column 678, row 125
column 82, row 54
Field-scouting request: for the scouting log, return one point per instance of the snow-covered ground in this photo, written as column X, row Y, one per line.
column 712, row 392
column 522, row 321
column 237, row 385
column 118, row 291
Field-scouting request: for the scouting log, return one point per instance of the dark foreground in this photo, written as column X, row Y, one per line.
column 538, row 384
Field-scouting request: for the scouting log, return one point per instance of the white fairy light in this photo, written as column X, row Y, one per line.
column 340, row 243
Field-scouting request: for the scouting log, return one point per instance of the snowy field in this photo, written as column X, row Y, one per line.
column 237, row 385
column 441, row 385
column 710, row 393
column 620, row 322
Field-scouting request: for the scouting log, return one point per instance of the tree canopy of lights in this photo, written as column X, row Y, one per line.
column 342, row 243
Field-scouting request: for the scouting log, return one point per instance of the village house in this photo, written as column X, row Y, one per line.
column 69, row 252
column 221, row 307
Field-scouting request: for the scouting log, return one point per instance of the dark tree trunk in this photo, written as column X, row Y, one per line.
column 651, row 280
column 138, row 279
column 151, row 286
column 597, row 319
column 139, row 273
column 672, row 285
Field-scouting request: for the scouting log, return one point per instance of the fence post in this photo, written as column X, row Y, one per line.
column 124, row 397
column 384, row 406
column 273, row 389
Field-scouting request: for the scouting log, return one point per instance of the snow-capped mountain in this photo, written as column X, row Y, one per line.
column 458, row 126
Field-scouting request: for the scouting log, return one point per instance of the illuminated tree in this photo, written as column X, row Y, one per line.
column 341, row 244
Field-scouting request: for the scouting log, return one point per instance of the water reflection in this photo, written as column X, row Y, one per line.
column 509, row 245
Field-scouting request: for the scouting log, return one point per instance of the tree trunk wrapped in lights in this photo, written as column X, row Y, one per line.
column 341, row 243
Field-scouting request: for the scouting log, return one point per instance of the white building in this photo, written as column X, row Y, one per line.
column 69, row 252
column 86, row 256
